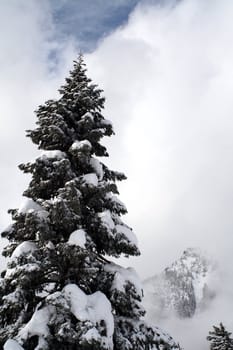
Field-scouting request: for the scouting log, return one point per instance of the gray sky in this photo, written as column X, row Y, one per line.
column 167, row 75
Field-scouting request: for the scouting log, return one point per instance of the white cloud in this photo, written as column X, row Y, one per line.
column 168, row 78
column 27, row 79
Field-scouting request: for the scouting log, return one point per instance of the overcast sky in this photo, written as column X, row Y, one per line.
column 167, row 73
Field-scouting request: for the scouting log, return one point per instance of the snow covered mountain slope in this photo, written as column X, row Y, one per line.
column 181, row 289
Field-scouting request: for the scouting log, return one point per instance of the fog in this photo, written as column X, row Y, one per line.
column 168, row 78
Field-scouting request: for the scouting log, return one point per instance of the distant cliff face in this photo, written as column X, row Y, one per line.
column 181, row 289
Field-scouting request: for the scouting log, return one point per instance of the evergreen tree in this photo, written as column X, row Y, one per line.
column 220, row 339
column 60, row 291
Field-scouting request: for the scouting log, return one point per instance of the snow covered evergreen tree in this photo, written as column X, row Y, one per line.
column 60, row 291
column 220, row 339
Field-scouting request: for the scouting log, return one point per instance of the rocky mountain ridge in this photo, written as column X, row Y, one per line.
column 183, row 288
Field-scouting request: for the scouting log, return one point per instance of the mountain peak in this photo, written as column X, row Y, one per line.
column 192, row 262
column 183, row 287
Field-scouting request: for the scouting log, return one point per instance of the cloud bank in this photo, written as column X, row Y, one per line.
column 168, row 78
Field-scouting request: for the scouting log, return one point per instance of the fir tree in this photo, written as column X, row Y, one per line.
column 220, row 339
column 60, row 291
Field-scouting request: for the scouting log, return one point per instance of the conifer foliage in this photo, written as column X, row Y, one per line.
column 60, row 291
column 220, row 338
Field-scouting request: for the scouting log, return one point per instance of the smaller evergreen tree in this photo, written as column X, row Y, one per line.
column 220, row 339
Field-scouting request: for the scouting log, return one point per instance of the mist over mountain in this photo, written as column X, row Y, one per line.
column 182, row 289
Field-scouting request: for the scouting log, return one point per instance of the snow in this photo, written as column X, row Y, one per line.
column 121, row 229
column 24, row 248
column 98, row 167
column 106, row 219
column 9, row 228
column 38, row 325
column 87, row 115
column 24, row 268
column 12, row 344
column 80, row 145
column 114, row 199
column 199, row 267
column 92, row 334
column 106, row 122
column 182, row 289
column 55, row 154
column 71, row 183
column 94, row 307
column 122, row 276
column 47, row 289
column 128, row 233
column 199, row 283
column 13, row 297
column 190, row 261
column 90, row 179
column 163, row 337
column 29, row 206
column 78, row 238
column 50, row 245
